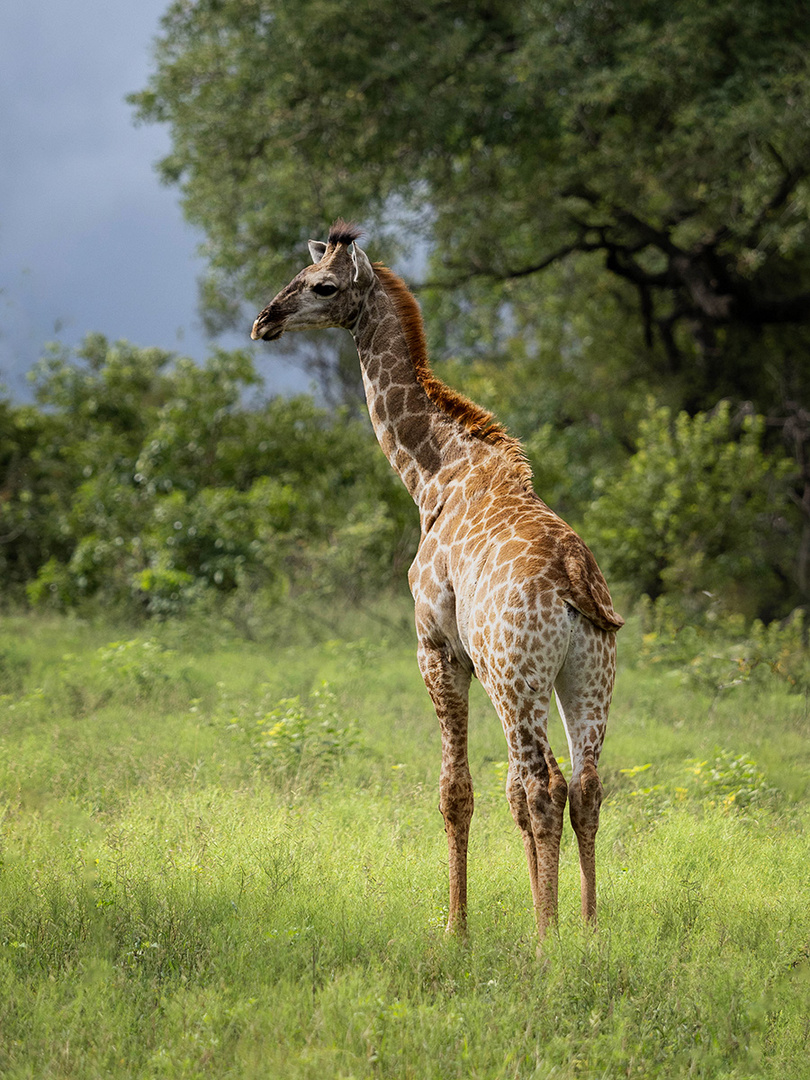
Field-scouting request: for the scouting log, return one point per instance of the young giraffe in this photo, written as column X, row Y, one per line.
column 503, row 588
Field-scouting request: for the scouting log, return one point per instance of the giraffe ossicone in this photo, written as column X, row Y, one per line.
column 503, row 588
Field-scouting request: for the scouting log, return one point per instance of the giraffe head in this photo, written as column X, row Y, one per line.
column 330, row 292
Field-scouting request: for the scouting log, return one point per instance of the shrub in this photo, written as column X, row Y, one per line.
column 152, row 484
column 717, row 652
column 731, row 782
column 699, row 509
column 301, row 743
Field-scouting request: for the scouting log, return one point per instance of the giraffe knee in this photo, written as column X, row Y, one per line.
column 518, row 803
column 585, row 799
column 538, row 801
column 456, row 799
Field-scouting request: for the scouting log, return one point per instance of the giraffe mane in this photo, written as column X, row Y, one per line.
column 343, row 232
column 476, row 421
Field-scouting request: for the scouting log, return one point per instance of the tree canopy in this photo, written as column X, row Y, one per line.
column 614, row 194
column 672, row 139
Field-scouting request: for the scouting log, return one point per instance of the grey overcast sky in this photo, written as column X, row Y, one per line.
column 89, row 238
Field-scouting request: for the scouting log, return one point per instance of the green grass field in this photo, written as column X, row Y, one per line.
column 225, row 859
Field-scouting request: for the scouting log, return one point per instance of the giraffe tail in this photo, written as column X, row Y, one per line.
column 588, row 591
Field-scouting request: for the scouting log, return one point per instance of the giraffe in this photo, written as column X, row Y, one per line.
column 503, row 588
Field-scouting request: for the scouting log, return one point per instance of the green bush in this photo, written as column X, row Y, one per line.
column 154, row 486
column 699, row 510
column 298, row 742
column 717, row 652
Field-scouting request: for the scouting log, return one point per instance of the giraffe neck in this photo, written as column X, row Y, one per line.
column 416, row 435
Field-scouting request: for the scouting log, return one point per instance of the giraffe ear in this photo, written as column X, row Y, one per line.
column 317, row 250
column 363, row 270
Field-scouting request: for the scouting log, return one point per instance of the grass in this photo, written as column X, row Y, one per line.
column 215, row 866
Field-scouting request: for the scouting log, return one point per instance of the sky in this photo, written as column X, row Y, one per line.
column 90, row 240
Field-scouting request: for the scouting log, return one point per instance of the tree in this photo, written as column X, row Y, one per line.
column 673, row 139
column 662, row 147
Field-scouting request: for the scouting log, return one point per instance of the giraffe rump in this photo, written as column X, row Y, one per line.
column 478, row 422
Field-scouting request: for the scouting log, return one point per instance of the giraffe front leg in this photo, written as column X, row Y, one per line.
column 456, row 805
column 448, row 684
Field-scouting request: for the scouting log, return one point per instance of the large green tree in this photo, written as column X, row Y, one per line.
column 663, row 148
column 674, row 139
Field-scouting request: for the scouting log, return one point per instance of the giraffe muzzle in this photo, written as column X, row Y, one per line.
column 265, row 332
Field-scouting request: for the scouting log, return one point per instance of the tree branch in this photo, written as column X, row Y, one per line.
column 470, row 273
column 791, row 179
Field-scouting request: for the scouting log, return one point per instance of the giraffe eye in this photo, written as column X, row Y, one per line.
column 323, row 288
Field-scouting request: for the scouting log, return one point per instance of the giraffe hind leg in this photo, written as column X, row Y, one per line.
column 585, row 800
column 584, row 687
column 536, row 792
column 517, row 667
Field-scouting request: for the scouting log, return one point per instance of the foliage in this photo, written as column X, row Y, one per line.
column 698, row 510
column 301, row 743
column 149, row 483
column 671, row 139
column 728, row 783
column 734, row 782
column 135, row 671
column 651, row 161
column 718, row 652
column 142, row 481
